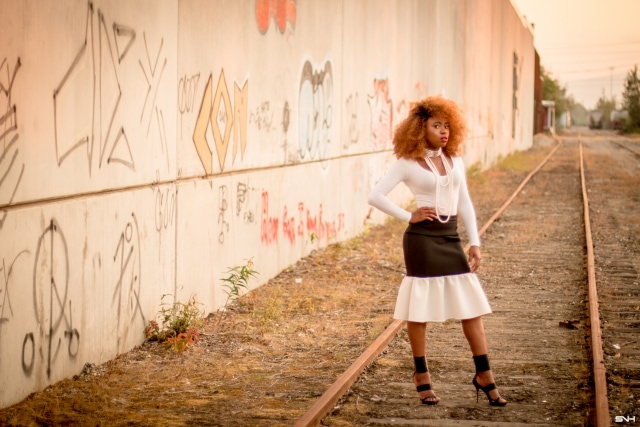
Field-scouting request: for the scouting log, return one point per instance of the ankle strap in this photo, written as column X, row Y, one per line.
column 421, row 364
column 482, row 363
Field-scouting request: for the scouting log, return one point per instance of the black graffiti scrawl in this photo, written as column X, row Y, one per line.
column 90, row 92
column 56, row 336
column 11, row 167
column 127, row 289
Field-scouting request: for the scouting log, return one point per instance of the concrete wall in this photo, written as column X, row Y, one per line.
column 146, row 147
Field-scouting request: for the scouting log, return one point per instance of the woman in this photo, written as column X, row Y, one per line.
column 440, row 283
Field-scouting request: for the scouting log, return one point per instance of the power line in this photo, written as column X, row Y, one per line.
column 589, row 47
column 621, row 69
column 591, row 58
column 558, row 69
column 632, row 52
column 594, row 56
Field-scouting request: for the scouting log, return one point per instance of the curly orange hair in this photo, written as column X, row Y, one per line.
column 409, row 140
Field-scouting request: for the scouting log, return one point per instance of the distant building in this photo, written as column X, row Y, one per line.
column 549, row 116
column 538, row 90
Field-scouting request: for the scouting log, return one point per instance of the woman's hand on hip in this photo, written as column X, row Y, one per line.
column 423, row 213
column 474, row 258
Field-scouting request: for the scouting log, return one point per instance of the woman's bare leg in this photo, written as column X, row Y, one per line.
column 474, row 332
column 417, row 333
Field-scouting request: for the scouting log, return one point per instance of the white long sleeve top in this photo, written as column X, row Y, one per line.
column 422, row 183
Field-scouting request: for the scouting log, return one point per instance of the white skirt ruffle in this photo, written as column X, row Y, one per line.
column 436, row 299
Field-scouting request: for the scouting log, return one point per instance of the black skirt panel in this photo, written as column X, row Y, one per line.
column 433, row 249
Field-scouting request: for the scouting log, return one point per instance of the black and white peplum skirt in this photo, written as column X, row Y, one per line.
column 439, row 284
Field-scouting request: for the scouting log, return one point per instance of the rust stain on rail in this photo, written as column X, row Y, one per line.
column 599, row 370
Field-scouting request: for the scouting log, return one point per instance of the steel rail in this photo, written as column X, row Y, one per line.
column 633, row 150
column 333, row 394
column 323, row 405
column 599, row 371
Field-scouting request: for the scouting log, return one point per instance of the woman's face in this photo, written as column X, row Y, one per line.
column 437, row 132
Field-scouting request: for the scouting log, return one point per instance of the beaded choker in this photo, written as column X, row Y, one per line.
column 434, row 153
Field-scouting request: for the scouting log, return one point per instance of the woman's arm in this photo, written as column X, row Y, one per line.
column 466, row 210
column 378, row 196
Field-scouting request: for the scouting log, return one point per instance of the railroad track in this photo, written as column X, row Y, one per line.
column 556, row 358
column 613, row 174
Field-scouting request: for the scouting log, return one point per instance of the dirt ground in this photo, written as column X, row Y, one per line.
column 277, row 348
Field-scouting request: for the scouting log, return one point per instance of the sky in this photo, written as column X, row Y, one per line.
column 588, row 46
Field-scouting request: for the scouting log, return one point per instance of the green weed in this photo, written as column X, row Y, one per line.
column 177, row 325
column 236, row 282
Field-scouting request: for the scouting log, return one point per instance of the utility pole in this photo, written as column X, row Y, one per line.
column 611, row 84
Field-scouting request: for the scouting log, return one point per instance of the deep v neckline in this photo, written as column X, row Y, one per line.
column 423, row 165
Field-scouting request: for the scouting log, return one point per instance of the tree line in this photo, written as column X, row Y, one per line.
column 564, row 102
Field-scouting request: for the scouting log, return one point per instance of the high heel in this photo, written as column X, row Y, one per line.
column 482, row 365
column 429, row 400
column 486, row 389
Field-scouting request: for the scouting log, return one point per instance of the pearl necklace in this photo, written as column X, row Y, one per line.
column 448, row 183
column 434, row 153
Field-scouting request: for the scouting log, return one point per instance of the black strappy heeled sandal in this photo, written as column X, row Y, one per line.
column 487, row 389
column 482, row 365
column 429, row 400
column 421, row 368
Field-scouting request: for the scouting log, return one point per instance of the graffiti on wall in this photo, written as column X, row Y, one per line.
column 218, row 113
column 400, row 113
column 93, row 75
column 56, row 336
column 90, row 96
column 282, row 11
column 151, row 113
column 187, row 88
column 6, row 282
column 245, row 205
column 381, row 109
column 89, row 127
column 165, row 212
column 244, row 209
column 271, row 125
column 11, row 170
column 352, row 127
column 383, row 117
column 298, row 223
column 517, row 73
column 126, row 293
column 262, row 118
column 223, row 207
column 315, row 112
